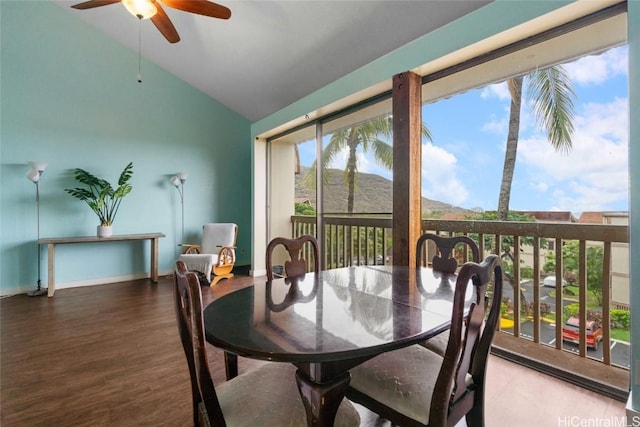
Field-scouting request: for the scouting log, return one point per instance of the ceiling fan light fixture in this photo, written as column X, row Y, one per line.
column 142, row 9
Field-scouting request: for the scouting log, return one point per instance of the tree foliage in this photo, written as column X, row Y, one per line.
column 371, row 136
column 507, row 241
column 551, row 98
column 571, row 266
column 305, row 209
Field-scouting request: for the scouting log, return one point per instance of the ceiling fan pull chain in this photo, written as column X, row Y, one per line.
column 139, row 48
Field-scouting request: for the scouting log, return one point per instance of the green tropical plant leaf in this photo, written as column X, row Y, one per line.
column 126, row 174
column 100, row 196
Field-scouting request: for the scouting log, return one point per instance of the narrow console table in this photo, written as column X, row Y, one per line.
column 51, row 243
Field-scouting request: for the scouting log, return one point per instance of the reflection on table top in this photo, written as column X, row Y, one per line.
column 337, row 314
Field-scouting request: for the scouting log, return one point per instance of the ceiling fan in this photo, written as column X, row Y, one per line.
column 152, row 9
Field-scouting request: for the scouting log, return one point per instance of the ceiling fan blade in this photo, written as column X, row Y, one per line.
column 93, row 3
column 201, row 7
column 163, row 23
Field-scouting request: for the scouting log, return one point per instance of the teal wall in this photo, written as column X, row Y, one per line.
column 69, row 97
column 487, row 21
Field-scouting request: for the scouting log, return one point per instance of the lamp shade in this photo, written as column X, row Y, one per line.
column 38, row 166
column 182, row 176
column 33, row 175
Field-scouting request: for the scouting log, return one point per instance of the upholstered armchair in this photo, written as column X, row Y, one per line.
column 216, row 255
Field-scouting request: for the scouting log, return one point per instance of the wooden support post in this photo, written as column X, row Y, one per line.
column 407, row 156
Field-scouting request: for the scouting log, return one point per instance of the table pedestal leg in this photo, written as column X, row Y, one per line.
column 321, row 401
column 230, row 365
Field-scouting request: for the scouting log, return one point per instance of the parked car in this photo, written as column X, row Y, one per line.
column 550, row 282
column 571, row 332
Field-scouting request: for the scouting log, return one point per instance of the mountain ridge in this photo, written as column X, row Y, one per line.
column 373, row 194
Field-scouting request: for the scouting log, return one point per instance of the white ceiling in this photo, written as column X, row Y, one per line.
column 272, row 53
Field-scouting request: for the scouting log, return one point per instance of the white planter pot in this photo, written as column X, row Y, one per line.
column 105, row 230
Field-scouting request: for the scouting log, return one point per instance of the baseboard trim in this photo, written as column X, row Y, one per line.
column 85, row 282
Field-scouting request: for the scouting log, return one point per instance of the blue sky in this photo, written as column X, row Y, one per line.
column 463, row 164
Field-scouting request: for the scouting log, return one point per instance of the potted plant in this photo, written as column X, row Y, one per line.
column 101, row 197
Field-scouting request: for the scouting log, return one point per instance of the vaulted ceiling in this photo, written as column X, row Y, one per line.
column 272, row 53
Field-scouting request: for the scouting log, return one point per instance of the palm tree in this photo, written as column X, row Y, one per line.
column 552, row 98
column 370, row 136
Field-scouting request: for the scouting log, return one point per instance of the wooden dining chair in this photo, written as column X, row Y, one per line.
column 295, row 247
column 264, row 396
column 443, row 261
column 296, row 266
column 414, row 386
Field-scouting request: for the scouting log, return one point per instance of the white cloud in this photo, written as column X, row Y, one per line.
column 500, row 124
column 439, row 173
column 339, row 159
column 540, row 186
column 595, row 172
column 367, row 164
column 498, row 90
column 593, row 69
column 439, row 176
column 596, row 69
column 497, row 125
column 582, row 198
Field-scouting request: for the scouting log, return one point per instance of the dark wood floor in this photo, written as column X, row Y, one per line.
column 98, row 356
column 110, row 355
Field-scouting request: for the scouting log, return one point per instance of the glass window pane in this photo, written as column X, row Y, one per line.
column 290, row 157
column 357, row 187
column 568, row 127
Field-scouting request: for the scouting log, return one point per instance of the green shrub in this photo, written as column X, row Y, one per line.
column 621, row 318
column 526, row 272
column 304, row 209
column 570, row 310
column 504, row 309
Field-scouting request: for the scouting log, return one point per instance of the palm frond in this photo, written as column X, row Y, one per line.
column 373, row 135
column 383, row 153
column 552, row 98
column 426, row 133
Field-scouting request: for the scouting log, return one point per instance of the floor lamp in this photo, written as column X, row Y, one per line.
column 34, row 176
column 178, row 181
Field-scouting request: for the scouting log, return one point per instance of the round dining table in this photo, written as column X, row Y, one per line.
column 326, row 323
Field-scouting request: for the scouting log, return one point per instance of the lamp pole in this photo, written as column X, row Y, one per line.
column 34, row 175
column 178, row 181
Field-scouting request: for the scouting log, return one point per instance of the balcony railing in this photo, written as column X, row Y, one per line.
column 354, row 240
